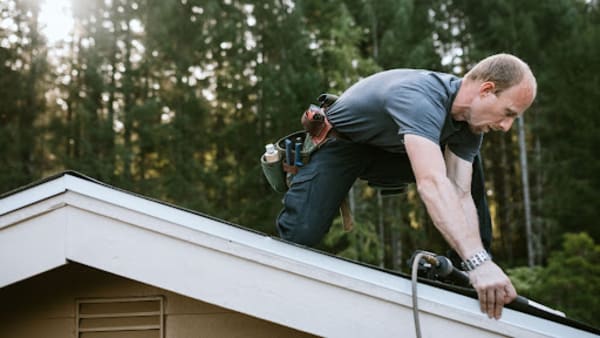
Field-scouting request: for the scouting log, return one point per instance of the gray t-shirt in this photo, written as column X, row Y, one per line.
column 382, row 108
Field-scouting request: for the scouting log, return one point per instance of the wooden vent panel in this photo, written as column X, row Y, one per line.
column 140, row 317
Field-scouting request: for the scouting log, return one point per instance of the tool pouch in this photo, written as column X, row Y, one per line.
column 274, row 173
column 315, row 133
column 279, row 173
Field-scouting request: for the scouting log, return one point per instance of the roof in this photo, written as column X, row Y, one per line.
column 72, row 218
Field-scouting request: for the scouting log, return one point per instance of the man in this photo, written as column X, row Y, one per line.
column 402, row 126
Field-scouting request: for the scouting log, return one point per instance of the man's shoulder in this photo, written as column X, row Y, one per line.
column 426, row 81
column 420, row 91
column 418, row 74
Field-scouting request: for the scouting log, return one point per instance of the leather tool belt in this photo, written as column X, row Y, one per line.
column 295, row 150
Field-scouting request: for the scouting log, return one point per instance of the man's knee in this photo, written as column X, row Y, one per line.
column 300, row 233
column 300, row 237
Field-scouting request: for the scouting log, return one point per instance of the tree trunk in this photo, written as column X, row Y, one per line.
column 526, row 200
column 507, row 222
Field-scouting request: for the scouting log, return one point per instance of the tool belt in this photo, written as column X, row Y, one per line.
column 294, row 152
column 296, row 148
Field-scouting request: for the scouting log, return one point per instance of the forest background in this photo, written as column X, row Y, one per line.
column 175, row 100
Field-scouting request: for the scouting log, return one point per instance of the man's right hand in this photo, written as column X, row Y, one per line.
column 494, row 288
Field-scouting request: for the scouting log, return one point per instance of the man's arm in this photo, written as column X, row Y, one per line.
column 460, row 174
column 444, row 187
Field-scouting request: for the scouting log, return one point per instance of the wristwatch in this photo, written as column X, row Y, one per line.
column 476, row 260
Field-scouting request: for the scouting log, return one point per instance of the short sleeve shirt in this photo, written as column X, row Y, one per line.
column 380, row 109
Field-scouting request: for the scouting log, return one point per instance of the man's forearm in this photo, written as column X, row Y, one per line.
column 470, row 212
column 452, row 215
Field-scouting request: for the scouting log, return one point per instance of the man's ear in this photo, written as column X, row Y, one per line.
column 487, row 87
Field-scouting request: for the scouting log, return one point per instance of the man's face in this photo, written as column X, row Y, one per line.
column 491, row 111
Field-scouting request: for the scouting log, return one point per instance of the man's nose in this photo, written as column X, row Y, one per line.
column 506, row 124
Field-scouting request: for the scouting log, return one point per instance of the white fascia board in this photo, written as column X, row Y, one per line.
column 33, row 195
column 221, row 230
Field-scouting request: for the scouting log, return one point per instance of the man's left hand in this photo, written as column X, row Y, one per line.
column 494, row 288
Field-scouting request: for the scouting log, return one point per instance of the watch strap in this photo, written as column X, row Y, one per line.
column 476, row 260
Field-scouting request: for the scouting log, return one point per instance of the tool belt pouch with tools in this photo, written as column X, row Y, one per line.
column 295, row 149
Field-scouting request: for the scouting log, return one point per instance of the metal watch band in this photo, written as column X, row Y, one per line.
column 476, row 260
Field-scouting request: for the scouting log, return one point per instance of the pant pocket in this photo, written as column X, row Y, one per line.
column 294, row 222
column 298, row 196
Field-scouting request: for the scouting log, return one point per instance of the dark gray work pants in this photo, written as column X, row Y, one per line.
column 316, row 192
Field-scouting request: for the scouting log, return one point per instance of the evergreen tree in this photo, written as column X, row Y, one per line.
column 23, row 66
column 569, row 280
column 568, row 125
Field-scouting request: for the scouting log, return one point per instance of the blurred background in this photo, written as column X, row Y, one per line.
column 176, row 99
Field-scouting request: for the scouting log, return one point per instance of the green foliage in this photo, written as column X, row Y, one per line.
column 361, row 244
column 23, row 66
column 524, row 278
column 570, row 281
column 572, row 278
column 571, row 124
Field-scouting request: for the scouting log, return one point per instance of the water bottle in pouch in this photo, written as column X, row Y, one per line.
column 271, row 154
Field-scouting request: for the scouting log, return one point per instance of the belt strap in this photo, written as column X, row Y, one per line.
column 292, row 169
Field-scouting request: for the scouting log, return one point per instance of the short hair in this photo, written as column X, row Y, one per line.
column 505, row 70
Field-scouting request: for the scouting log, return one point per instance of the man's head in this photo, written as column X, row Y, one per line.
column 498, row 89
